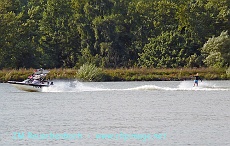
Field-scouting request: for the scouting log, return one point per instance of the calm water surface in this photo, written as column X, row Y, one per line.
column 117, row 113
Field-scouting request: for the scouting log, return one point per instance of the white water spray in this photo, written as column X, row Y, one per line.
column 76, row 86
column 72, row 86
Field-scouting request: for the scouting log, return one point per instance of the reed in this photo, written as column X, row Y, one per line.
column 120, row 74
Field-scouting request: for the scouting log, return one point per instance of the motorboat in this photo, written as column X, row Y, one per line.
column 34, row 83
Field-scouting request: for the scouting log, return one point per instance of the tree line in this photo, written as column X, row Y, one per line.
column 114, row 33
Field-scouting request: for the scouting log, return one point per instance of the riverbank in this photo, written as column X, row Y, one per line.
column 133, row 74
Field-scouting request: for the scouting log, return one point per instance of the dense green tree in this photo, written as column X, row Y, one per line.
column 8, row 56
column 55, row 29
column 167, row 50
column 113, row 33
column 15, row 49
column 217, row 51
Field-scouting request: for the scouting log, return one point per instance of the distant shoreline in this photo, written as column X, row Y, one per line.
column 124, row 74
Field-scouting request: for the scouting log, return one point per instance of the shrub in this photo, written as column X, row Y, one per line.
column 216, row 51
column 89, row 72
column 228, row 72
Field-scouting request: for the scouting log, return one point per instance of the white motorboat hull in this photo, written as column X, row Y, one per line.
column 28, row 87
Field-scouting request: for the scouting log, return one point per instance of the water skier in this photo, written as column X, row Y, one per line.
column 197, row 77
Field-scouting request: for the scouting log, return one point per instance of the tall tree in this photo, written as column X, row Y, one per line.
column 166, row 51
column 217, row 51
column 15, row 47
column 55, row 28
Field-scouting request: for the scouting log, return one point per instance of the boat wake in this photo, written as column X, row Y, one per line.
column 72, row 86
column 184, row 86
column 76, row 86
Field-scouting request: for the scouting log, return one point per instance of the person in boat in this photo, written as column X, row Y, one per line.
column 197, row 77
column 30, row 78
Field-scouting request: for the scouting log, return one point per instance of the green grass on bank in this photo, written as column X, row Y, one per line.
column 137, row 74
column 133, row 74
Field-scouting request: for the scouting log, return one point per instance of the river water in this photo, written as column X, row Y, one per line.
column 117, row 113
